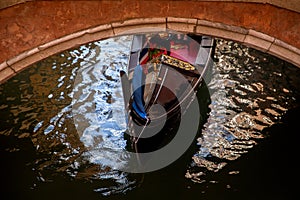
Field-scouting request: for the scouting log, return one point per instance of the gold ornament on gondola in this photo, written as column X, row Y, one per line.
column 174, row 62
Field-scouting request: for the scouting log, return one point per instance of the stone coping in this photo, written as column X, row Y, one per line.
column 250, row 37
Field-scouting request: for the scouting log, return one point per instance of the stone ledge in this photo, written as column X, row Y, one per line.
column 99, row 28
column 6, row 74
column 286, row 46
column 139, row 21
column 3, row 66
column 222, row 26
column 144, row 25
column 285, row 52
column 221, row 30
column 181, row 24
column 258, row 40
column 22, row 56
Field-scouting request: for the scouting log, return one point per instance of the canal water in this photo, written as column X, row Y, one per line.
column 246, row 148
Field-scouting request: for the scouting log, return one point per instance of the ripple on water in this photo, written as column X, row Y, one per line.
column 66, row 109
column 248, row 92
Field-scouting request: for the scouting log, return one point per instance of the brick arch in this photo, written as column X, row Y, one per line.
column 38, row 29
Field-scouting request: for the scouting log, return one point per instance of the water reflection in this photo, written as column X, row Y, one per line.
column 250, row 91
column 44, row 134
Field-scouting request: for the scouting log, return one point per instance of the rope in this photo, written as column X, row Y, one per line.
column 141, row 131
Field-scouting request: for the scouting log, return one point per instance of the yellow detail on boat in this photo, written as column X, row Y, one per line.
column 174, row 62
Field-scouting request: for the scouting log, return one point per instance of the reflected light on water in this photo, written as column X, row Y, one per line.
column 42, row 107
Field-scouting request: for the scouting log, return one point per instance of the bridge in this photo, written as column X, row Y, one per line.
column 32, row 30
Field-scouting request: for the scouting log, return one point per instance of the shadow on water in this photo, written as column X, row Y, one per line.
column 246, row 147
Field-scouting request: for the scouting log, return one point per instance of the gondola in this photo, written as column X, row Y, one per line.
column 163, row 75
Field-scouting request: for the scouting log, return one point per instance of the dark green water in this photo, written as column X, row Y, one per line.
column 246, row 149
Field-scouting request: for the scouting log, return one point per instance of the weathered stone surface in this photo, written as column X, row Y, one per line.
column 182, row 24
column 221, row 30
column 3, row 66
column 6, row 74
column 291, row 4
column 285, row 51
column 143, row 24
column 258, row 40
